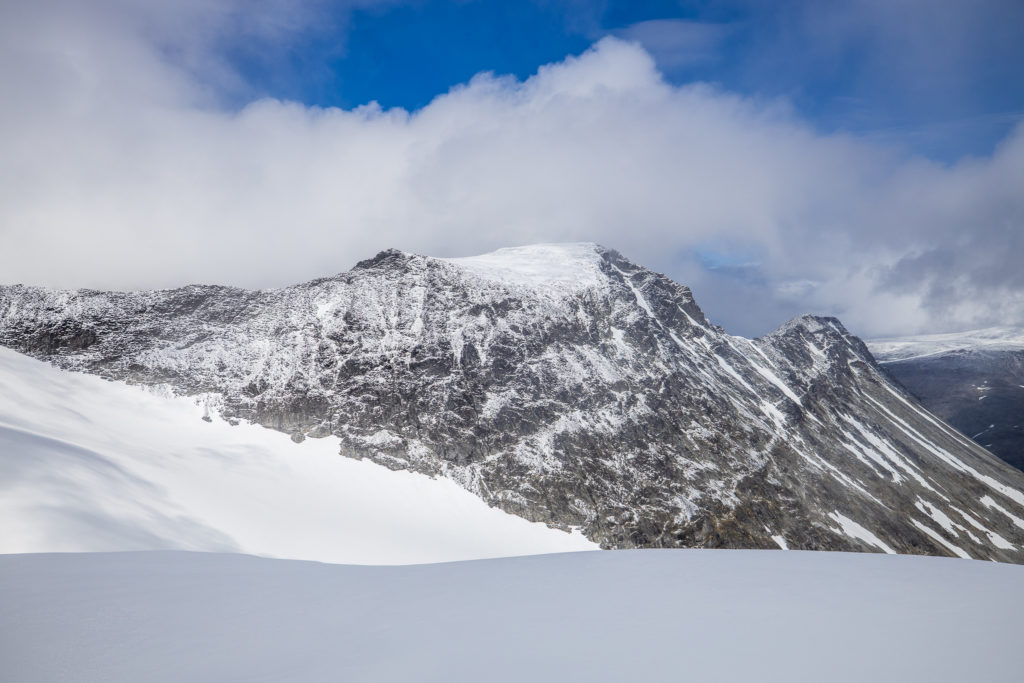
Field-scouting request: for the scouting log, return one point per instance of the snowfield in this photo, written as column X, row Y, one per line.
column 647, row 615
column 90, row 465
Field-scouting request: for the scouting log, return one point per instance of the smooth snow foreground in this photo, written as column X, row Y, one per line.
column 647, row 615
column 90, row 465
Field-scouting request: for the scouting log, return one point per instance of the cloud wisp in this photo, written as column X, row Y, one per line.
column 124, row 169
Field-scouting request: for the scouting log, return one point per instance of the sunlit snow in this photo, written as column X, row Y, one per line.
column 570, row 266
column 91, row 465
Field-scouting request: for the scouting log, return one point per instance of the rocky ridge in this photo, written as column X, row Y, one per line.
column 565, row 384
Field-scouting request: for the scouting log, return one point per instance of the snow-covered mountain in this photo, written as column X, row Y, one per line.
column 567, row 385
column 89, row 465
column 892, row 349
column 974, row 380
column 665, row 615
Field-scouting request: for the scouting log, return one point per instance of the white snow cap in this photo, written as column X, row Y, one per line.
column 572, row 266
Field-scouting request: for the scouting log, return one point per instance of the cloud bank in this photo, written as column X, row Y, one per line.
column 125, row 166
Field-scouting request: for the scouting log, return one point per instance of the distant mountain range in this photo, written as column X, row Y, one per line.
column 567, row 385
column 973, row 380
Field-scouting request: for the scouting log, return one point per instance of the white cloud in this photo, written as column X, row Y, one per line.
column 120, row 170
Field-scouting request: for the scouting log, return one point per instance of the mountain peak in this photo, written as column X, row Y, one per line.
column 568, row 385
column 811, row 324
column 382, row 258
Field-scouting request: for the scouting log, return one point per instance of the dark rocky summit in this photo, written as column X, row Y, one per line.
column 565, row 384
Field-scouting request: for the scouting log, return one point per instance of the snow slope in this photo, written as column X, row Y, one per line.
column 91, row 465
column 647, row 615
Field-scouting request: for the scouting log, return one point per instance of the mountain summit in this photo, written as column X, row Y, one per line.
column 564, row 384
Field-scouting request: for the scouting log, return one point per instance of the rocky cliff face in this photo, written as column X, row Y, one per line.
column 973, row 380
column 565, row 384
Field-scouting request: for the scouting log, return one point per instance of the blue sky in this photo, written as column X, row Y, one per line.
column 939, row 78
column 862, row 158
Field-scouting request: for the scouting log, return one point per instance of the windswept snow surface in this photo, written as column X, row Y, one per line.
column 572, row 266
column 90, row 465
column 647, row 615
